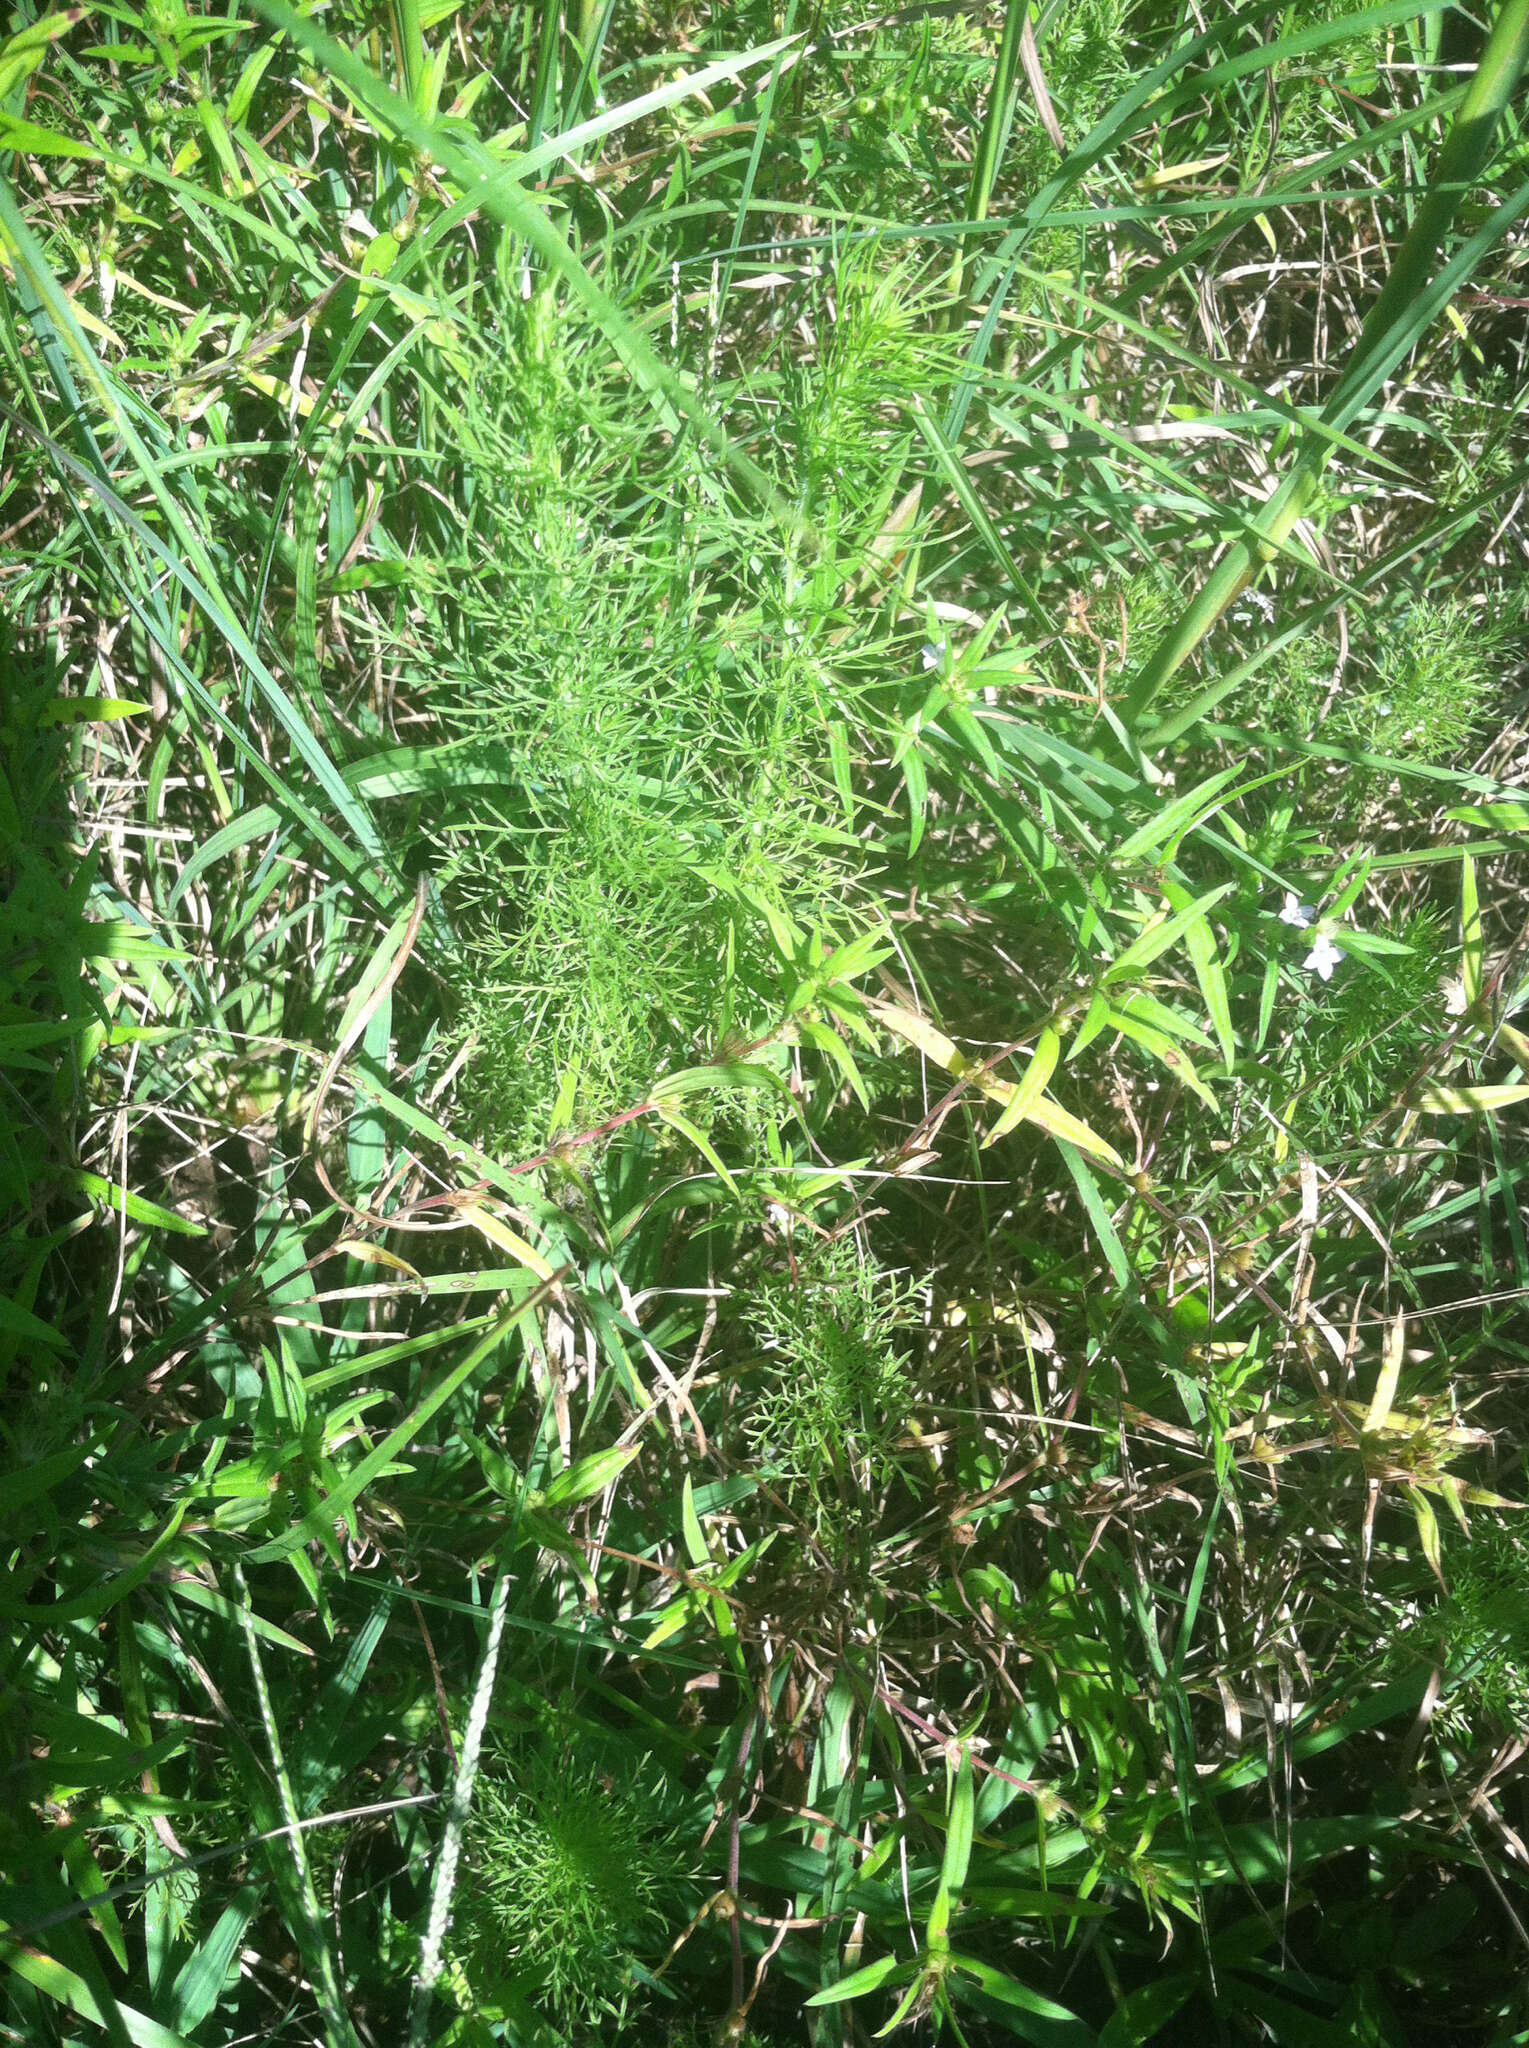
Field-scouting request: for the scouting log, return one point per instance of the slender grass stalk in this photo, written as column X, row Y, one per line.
column 996, row 124
column 544, row 85
column 443, row 1883
column 592, row 14
column 594, row 24
column 328, row 1988
column 411, row 44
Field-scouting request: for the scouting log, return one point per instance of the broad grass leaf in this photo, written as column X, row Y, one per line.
column 1506, row 815
column 958, row 1828
column 1160, row 932
column 694, row 1135
column 690, row 1522
column 1440, row 1098
column 1098, row 1215
column 937, row 1925
column 908, row 761
column 89, row 711
column 1200, row 944
column 20, row 1322
column 322, row 1517
column 1031, row 1084
column 21, row 53
column 1177, row 817
column 1144, row 2012
column 214, row 1962
column 1428, row 1532
column 1033, row 2016
column 1162, row 1048
column 335, row 1710
column 828, row 1042
column 67, row 1988
column 1024, row 1902
column 591, row 1475
column 869, row 1977
column 259, row 822
column 20, row 1486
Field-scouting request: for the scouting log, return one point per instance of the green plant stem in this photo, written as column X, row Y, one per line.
column 443, row 1885
column 545, row 84
column 995, row 132
column 328, row 1987
column 411, row 45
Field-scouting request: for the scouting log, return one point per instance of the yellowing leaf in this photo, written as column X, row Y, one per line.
column 923, row 1036
column 369, row 1254
column 1384, row 1398
column 1173, row 1057
column 1050, row 1116
column 1057, row 1122
column 1032, row 1083
column 1178, row 174
column 1471, row 940
column 507, row 1240
column 1428, row 1532
column 1470, row 1100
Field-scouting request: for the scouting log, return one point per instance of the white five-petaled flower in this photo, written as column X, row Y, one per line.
column 933, row 653
column 1323, row 957
column 1297, row 913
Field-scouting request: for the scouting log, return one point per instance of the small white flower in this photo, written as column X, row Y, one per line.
column 1323, row 957
column 1297, row 913
column 778, row 1214
column 933, row 654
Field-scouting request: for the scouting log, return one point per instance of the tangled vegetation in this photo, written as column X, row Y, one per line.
column 762, row 918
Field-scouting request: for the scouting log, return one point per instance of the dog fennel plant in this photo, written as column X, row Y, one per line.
column 1484, row 1624
column 835, row 1395
column 573, row 1877
column 633, row 694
